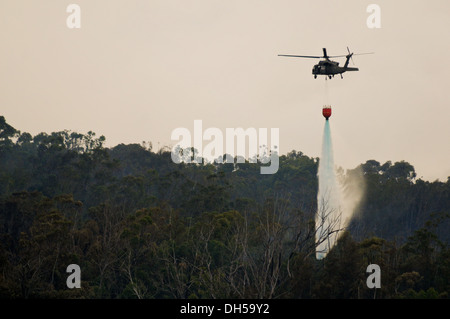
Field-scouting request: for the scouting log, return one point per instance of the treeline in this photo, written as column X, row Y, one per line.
column 140, row 226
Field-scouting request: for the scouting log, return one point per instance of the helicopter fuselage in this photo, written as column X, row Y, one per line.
column 328, row 67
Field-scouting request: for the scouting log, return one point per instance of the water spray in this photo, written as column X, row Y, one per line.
column 328, row 198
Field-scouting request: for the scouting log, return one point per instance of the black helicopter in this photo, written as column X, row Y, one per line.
column 328, row 67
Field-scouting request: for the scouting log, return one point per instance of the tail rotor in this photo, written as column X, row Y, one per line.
column 350, row 55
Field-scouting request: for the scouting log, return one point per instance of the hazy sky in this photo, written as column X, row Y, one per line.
column 136, row 70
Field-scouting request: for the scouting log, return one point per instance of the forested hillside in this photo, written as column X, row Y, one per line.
column 140, row 226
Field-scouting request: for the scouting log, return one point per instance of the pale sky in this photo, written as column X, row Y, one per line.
column 137, row 70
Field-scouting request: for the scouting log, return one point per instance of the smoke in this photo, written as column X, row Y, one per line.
column 337, row 198
column 352, row 187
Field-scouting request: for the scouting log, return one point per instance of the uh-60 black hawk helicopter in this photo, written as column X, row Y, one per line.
column 328, row 67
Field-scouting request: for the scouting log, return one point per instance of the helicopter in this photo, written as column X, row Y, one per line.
column 328, row 67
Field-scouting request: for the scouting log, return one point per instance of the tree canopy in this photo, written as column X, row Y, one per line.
column 141, row 226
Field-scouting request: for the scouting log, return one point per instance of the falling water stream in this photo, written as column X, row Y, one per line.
column 328, row 198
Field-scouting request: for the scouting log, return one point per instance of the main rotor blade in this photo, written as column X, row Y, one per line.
column 320, row 57
column 301, row 56
column 358, row 53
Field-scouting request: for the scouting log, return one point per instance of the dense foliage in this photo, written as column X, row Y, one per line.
column 140, row 226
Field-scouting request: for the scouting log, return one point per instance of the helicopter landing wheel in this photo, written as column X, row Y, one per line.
column 315, row 76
